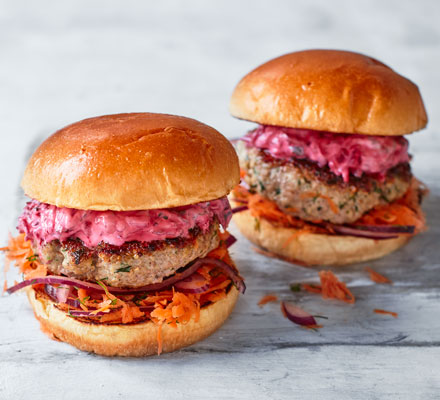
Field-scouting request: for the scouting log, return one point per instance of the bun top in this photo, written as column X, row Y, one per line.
column 330, row 90
column 133, row 161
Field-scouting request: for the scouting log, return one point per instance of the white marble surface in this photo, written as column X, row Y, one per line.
column 62, row 61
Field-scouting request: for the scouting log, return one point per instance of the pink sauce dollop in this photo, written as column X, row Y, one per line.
column 344, row 154
column 42, row 223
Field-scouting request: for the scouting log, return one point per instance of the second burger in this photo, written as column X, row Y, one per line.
column 326, row 174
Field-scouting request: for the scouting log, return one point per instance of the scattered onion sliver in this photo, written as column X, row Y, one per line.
column 297, row 315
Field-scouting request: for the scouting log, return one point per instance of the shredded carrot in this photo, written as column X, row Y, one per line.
column 376, row 277
column 404, row 211
column 259, row 206
column 167, row 306
column 129, row 313
column 19, row 251
column 312, row 288
column 331, row 288
column 267, row 299
column 379, row 311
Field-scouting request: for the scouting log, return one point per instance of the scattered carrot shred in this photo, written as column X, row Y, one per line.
column 19, row 251
column 312, row 288
column 379, row 311
column 267, row 299
column 331, row 288
column 376, row 277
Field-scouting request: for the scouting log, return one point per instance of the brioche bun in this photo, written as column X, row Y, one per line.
column 330, row 90
column 132, row 340
column 133, row 161
column 311, row 248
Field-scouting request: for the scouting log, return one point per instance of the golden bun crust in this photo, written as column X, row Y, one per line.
column 313, row 249
column 330, row 90
column 133, row 161
column 135, row 340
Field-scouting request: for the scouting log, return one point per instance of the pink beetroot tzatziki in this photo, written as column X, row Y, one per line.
column 344, row 154
column 42, row 223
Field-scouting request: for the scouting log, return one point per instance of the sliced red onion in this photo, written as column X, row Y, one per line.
column 297, row 315
column 230, row 241
column 196, row 283
column 386, row 228
column 239, row 209
column 228, row 270
column 62, row 280
column 52, row 292
column 346, row 230
column 193, row 267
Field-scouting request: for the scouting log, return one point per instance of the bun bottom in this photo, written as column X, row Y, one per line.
column 134, row 340
column 311, row 248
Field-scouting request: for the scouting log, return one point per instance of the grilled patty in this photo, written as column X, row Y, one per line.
column 133, row 264
column 302, row 189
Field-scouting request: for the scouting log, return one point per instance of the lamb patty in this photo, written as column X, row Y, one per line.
column 133, row 264
column 302, row 189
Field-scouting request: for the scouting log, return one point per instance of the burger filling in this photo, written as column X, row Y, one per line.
column 127, row 249
column 324, row 178
column 303, row 189
column 109, row 267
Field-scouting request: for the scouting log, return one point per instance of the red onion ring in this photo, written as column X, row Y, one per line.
column 237, row 280
column 346, row 230
column 193, row 267
column 62, row 280
column 196, row 283
column 386, row 228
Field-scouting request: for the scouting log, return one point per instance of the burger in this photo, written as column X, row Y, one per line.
column 326, row 176
column 123, row 244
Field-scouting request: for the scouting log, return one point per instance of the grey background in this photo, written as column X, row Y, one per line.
column 66, row 60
